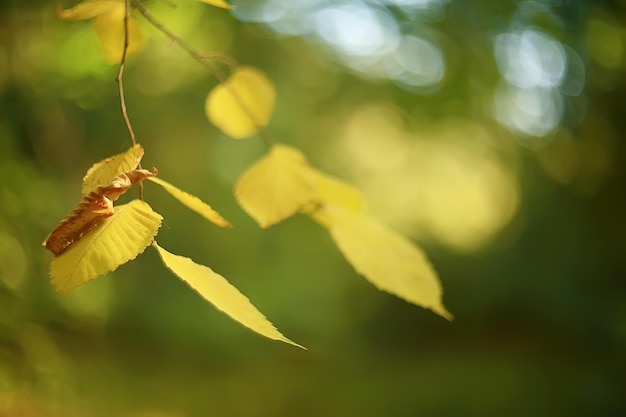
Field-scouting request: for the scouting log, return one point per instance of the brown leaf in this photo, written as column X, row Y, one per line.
column 92, row 210
column 105, row 171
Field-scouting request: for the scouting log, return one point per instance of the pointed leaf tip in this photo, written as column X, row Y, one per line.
column 387, row 259
column 215, row 289
column 193, row 203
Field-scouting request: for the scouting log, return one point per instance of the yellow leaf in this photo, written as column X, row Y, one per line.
column 276, row 187
column 387, row 259
column 193, row 202
column 242, row 105
column 117, row 240
column 332, row 192
column 88, row 9
column 218, row 291
column 110, row 30
column 105, row 171
column 218, row 3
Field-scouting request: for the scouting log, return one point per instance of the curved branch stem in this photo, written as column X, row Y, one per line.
column 215, row 71
column 120, row 75
column 120, row 83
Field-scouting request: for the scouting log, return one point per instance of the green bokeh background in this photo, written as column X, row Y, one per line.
column 540, row 307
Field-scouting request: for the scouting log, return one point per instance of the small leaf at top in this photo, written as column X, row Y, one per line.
column 332, row 192
column 193, row 202
column 243, row 104
column 276, row 187
column 88, row 9
column 218, row 291
column 110, row 30
column 387, row 259
column 105, row 171
column 218, row 3
column 117, row 240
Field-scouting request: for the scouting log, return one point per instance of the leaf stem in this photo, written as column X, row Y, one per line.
column 120, row 75
column 215, row 71
column 120, row 83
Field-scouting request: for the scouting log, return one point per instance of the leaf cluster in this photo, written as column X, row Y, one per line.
column 97, row 236
column 123, row 232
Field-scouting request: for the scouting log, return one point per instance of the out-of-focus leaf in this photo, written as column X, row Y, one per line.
column 193, row 202
column 90, row 212
column 282, row 183
column 218, row 3
column 242, row 105
column 105, row 171
column 117, row 240
column 110, row 30
column 218, row 291
column 332, row 192
column 387, row 259
column 88, row 9
column 276, row 187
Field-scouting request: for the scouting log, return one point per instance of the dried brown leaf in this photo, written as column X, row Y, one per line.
column 92, row 210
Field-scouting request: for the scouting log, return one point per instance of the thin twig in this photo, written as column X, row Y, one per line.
column 225, row 59
column 202, row 60
column 120, row 75
column 216, row 72
column 120, row 83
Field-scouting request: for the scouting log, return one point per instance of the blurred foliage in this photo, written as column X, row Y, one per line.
column 491, row 132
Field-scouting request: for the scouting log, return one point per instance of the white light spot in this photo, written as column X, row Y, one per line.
column 533, row 111
column 356, row 29
column 530, row 58
column 421, row 62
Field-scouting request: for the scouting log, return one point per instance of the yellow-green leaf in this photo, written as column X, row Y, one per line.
column 332, row 192
column 109, row 27
column 119, row 239
column 88, row 9
column 218, row 291
column 218, row 3
column 193, row 202
column 105, row 171
column 387, row 259
column 243, row 104
column 276, row 187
